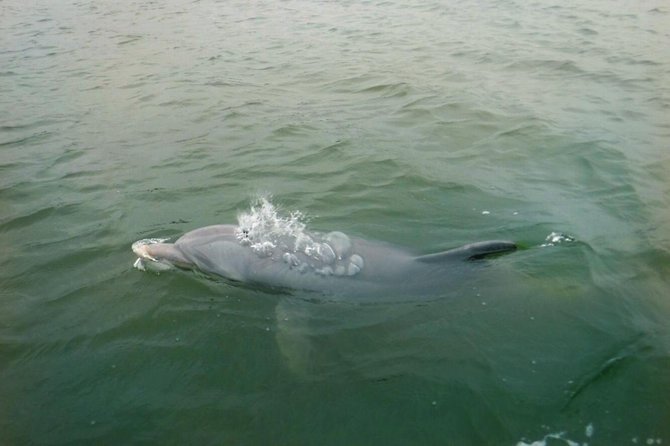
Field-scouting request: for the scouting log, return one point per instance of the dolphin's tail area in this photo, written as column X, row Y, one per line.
column 472, row 251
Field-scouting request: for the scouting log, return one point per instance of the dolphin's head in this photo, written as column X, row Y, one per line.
column 154, row 255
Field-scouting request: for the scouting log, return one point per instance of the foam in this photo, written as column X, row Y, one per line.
column 554, row 440
column 559, row 438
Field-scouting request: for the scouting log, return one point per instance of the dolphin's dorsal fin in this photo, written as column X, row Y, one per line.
column 473, row 251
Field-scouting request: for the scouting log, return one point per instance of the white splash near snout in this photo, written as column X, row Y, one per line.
column 145, row 261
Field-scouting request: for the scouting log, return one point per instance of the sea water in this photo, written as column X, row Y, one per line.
column 426, row 124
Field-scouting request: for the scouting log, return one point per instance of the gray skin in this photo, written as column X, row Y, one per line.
column 379, row 269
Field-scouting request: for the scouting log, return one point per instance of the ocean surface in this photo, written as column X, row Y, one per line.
column 425, row 124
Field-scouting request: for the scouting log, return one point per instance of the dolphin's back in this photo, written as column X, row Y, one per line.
column 472, row 251
column 337, row 264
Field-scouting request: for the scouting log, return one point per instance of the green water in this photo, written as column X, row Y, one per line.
column 422, row 123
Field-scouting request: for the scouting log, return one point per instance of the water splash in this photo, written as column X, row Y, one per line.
column 146, row 262
column 556, row 238
column 264, row 230
column 269, row 234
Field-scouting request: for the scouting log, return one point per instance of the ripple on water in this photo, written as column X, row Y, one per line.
column 397, row 120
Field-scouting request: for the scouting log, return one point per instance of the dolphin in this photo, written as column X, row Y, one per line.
column 332, row 263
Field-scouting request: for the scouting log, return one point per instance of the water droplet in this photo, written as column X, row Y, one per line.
column 589, row 430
